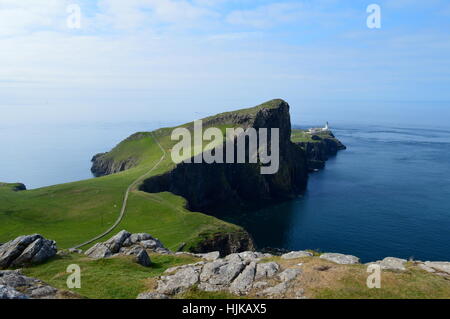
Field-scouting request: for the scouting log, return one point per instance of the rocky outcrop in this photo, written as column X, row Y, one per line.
column 211, row 188
column 340, row 258
column 125, row 243
column 323, row 146
column 239, row 273
column 15, row 187
column 391, row 263
column 26, row 250
column 102, row 164
column 14, row 285
column 441, row 268
column 296, row 254
column 225, row 243
column 114, row 161
column 7, row 292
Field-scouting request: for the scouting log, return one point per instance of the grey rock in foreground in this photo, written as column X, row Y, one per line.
column 289, row 274
column 125, row 243
column 391, row 263
column 140, row 256
column 14, row 285
column 243, row 283
column 10, row 293
column 26, row 250
column 437, row 267
column 277, row 290
column 179, row 282
column 340, row 258
column 98, row 251
column 152, row 295
column 296, row 254
column 266, row 270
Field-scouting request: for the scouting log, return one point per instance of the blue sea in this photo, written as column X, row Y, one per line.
column 388, row 194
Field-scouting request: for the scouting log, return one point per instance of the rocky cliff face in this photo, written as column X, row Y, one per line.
column 225, row 243
column 319, row 151
column 213, row 187
column 103, row 165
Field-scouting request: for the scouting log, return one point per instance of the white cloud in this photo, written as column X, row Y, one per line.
column 267, row 15
column 18, row 17
column 133, row 14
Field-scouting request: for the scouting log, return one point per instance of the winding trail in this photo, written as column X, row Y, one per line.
column 125, row 199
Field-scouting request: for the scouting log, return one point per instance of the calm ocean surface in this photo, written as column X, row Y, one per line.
column 387, row 195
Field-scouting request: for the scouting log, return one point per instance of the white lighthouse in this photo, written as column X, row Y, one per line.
column 316, row 130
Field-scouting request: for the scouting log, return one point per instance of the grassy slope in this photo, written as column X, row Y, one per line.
column 111, row 278
column 75, row 212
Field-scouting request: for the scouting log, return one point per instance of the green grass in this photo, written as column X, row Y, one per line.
column 109, row 278
column 411, row 284
column 75, row 212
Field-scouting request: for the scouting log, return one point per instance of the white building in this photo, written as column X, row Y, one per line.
column 316, row 130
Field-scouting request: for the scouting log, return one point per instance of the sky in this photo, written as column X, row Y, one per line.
column 175, row 60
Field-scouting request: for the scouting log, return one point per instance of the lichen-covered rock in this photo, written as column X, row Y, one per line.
column 221, row 272
column 125, row 243
column 296, row 254
column 209, row 256
column 116, row 242
column 266, row 270
column 152, row 295
column 340, row 258
column 438, row 267
column 26, row 250
column 33, row 288
column 140, row 255
column 392, row 263
column 243, row 283
column 289, row 274
column 98, row 251
column 181, row 281
column 277, row 290
column 10, row 293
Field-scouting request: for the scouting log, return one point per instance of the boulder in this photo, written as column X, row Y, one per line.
column 140, row 256
column 243, row 283
column 43, row 292
column 439, row 267
column 296, row 254
column 152, row 295
column 28, row 287
column 26, row 250
column 152, row 244
column 115, row 243
column 209, row 256
column 260, row 284
column 221, row 272
column 289, row 274
column 171, row 270
column 266, row 270
column 10, row 293
column 137, row 238
column 392, row 263
column 179, row 282
column 98, row 251
column 277, row 290
column 340, row 258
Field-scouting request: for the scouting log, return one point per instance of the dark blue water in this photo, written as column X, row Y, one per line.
column 387, row 195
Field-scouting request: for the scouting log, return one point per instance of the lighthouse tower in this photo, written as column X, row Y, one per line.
column 326, row 128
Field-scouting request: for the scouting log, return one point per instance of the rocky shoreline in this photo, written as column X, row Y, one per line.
column 252, row 274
